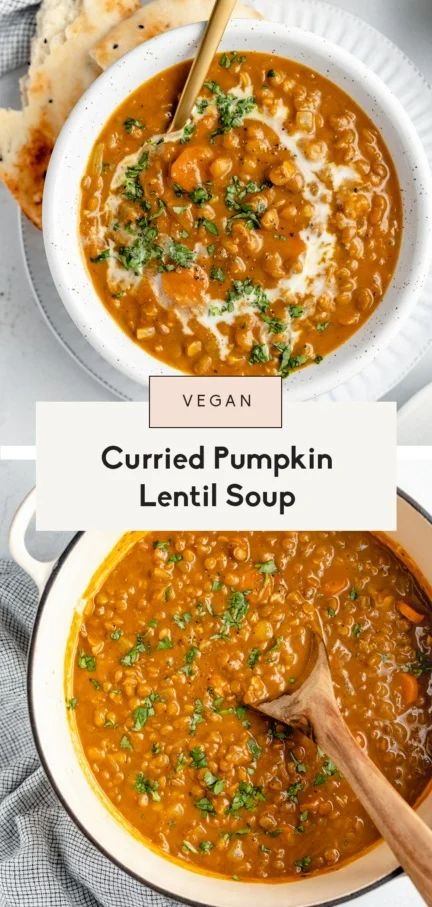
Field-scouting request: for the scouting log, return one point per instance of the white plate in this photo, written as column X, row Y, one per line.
column 414, row 422
column 400, row 75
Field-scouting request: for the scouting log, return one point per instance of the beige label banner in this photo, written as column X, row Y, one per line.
column 189, row 402
column 332, row 466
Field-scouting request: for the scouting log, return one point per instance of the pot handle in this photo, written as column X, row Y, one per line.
column 38, row 570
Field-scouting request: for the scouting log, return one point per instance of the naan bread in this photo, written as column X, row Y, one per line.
column 60, row 71
column 154, row 18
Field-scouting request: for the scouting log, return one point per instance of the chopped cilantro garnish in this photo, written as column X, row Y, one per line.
column 246, row 797
column 181, row 762
column 328, row 769
column 200, row 195
column 294, row 790
column 125, row 743
column 197, row 716
column 231, row 110
column 164, row 545
column 253, row 657
column 188, row 131
column 145, row 248
column 191, row 654
column 198, row 757
column 146, row 786
column 356, row 630
column 237, row 609
column 266, row 567
column 205, row 805
column 216, row 785
column 243, row 289
column 322, row 326
column 201, row 104
column 86, row 662
column 132, row 188
column 253, row 748
column 422, row 665
column 165, row 643
column 71, row 704
column 299, row 766
column 131, row 657
column 144, row 711
column 353, row 594
column 296, row 311
column 209, row 225
column 206, row 846
column 228, row 60
column 101, row 257
column 288, row 362
column 275, row 326
column 182, row 619
column 116, row 634
column 235, row 195
column 175, row 558
column 331, row 612
column 303, row 865
column 259, row 353
column 217, row 274
column 131, row 123
column 217, row 585
column 181, row 256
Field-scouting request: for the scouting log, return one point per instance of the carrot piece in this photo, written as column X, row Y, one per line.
column 186, row 170
column 409, row 612
column 409, row 688
column 186, row 286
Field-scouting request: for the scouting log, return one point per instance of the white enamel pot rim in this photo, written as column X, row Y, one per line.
column 61, row 585
column 73, row 147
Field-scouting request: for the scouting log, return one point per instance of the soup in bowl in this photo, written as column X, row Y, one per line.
column 282, row 232
column 255, row 240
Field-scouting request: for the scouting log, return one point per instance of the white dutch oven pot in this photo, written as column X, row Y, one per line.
column 61, row 584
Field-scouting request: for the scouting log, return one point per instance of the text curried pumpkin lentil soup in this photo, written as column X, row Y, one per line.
column 188, row 631
column 258, row 239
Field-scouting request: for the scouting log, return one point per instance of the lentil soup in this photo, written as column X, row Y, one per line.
column 187, row 631
column 258, row 239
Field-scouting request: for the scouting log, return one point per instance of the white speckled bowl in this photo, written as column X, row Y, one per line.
column 61, row 585
column 73, row 147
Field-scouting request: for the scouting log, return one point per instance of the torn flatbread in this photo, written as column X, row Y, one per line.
column 60, row 71
column 153, row 19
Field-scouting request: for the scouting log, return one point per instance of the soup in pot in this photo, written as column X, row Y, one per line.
column 190, row 630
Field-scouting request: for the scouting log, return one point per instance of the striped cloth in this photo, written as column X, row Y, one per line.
column 17, row 24
column 45, row 861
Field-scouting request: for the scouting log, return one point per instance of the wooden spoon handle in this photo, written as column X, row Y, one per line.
column 407, row 835
column 215, row 28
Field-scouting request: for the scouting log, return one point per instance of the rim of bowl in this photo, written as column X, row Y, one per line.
column 69, row 809
column 61, row 236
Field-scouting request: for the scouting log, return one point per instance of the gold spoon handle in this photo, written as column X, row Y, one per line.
column 216, row 26
column 405, row 832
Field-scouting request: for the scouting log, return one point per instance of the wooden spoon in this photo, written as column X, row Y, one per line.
column 216, row 26
column 314, row 705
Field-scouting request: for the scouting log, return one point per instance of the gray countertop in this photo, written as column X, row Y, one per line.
column 33, row 365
